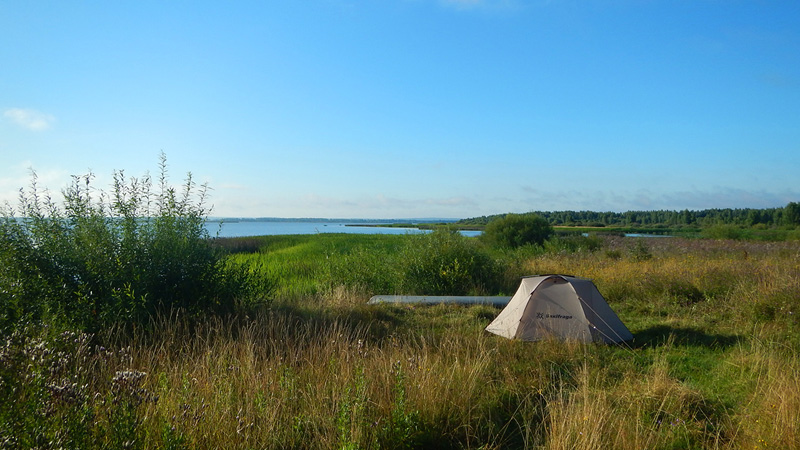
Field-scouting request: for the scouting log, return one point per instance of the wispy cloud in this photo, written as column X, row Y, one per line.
column 30, row 119
column 18, row 176
column 647, row 200
column 320, row 205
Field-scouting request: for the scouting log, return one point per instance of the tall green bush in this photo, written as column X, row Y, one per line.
column 517, row 230
column 446, row 263
column 96, row 257
column 443, row 262
column 723, row 231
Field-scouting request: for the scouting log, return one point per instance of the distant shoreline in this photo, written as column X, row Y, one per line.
column 375, row 222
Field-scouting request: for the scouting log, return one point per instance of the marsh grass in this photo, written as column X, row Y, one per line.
column 708, row 369
column 440, row 263
column 771, row 416
column 302, row 265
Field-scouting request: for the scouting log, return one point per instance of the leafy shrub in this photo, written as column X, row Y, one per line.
column 101, row 257
column 516, row 230
column 443, row 262
column 364, row 269
column 59, row 392
column 640, row 251
column 723, row 231
column 779, row 303
column 446, row 263
column 573, row 244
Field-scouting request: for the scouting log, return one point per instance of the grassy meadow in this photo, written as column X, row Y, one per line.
column 307, row 364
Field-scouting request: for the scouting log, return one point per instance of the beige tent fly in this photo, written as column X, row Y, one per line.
column 559, row 307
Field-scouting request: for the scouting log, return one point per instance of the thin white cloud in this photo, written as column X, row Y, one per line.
column 647, row 200
column 254, row 204
column 18, row 176
column 30, row 119
column 319, row 205
column 728, row 197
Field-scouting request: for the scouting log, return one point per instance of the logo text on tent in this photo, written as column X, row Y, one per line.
column 541, row 316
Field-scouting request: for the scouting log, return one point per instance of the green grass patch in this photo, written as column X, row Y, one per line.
column 714, row 363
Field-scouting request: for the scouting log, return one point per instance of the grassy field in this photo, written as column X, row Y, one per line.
column 714, row 363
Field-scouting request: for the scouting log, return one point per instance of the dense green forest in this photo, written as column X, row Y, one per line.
column 788, row 216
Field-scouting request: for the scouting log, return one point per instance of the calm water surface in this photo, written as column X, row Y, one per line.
column 264, row 228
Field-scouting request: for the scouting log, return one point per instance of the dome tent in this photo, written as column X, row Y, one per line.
column 560, row 307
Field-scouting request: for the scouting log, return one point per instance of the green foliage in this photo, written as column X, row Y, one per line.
column 445, row 263
column 352, row 412
column 789, row 216
column 722, row 231
column 714, row 364
column 442, row 262
column 572, row 243
column 781, row 306
column 640, row 251
column 365, row 269
column 437, row 263
column 97, row 258
column 516, row 230
column 403, row 428
column 53, row 400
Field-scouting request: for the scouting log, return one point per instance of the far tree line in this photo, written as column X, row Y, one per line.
column 788, row 216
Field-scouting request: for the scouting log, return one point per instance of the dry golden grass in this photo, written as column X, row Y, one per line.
column 330, row 373
column 278, row 380
column 771, row 416
column 280, row 383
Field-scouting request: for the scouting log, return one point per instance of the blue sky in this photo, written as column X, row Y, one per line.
column 410, row 108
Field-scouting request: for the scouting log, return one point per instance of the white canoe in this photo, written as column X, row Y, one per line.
column 437, row 299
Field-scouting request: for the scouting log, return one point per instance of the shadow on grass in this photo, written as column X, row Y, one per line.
column 374, row 324
column 683, row 336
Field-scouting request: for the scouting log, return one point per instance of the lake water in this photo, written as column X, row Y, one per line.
column 281, row 227
column 264, row 228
